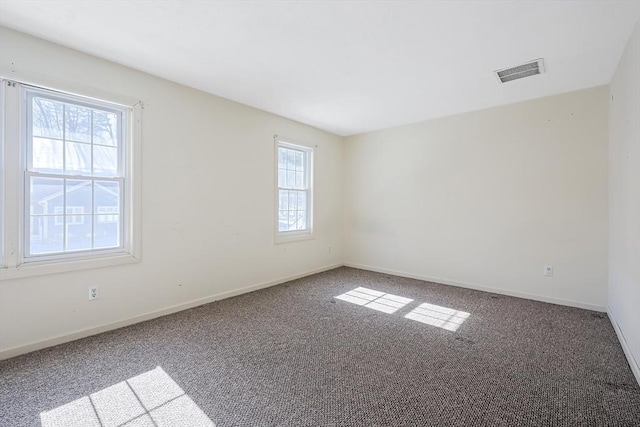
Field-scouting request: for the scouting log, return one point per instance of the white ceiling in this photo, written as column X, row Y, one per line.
column 347, row 67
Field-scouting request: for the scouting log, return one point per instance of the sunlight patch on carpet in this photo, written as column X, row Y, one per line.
column 150, row 399
column 435, row 315
column 376, row 300
column 430, row 314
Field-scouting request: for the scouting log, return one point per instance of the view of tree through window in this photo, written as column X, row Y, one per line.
column 75, row 176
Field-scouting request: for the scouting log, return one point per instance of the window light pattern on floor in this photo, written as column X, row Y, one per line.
column 151, row 399
column 430, row 314
column 376, row 300
column 442, row 317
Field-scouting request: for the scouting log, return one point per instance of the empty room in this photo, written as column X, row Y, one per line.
column 319, row 213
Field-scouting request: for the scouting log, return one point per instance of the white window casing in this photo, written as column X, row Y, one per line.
column 293, row 191
column 70, row 194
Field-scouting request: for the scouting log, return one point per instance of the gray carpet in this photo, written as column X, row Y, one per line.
column 294, row 355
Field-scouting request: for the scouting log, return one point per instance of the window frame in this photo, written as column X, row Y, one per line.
column 294, row 235
column 28, row 95
column 16, row 262
column 3, row 177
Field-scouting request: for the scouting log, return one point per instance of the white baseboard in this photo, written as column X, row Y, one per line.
column 60, row 339
column 27, row 348
column 478, row 287
column 633, row 363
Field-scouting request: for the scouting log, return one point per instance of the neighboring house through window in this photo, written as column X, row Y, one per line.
column 74, row 215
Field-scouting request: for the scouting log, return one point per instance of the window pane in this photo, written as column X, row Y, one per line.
column 107, row 197
column 282, row 157
column 291, row 160
column 291, row 179
column 282, row 221
column 283, row 200
column 302, row 220
column 36, row 227
column 47, row 118
column 292, row 220
column 78, row 158
column 46, row 155
column 105, row 128
column 299, row 157
column 107, row 218
column 299, row 179
column 105, row 161
column 293, row 201
column 106, row 231
column 46, row 234
column 302, row 201
column 282, row 178
column 78, row 197
column 45, row 194
column 78, row 231
column 77, row 123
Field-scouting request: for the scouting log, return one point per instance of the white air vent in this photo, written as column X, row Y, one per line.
column 531, row 68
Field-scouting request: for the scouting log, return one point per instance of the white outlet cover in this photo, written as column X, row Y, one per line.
column 548, row 270
column 94, row 293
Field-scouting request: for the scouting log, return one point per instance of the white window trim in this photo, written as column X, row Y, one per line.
column 3, row 176
column 12, row 262
column 293, row 236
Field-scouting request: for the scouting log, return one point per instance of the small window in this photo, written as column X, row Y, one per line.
column 74, row 175
column 294, row 191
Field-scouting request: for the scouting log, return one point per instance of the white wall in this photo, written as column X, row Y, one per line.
column 207, row 205
column 624, row 201
column 486, row 199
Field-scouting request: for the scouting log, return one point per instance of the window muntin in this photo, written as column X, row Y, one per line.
column 74, row 164
column 294, row 164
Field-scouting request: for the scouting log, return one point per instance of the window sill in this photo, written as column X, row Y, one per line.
column 49, row 267
column 294, row 238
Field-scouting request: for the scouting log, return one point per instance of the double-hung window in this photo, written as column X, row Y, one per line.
column 74, row 164
column 294, row 191
column 71, row 157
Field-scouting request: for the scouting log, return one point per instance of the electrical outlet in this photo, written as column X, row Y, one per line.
column 548, row 270
column 329, row 249
column 93, row 293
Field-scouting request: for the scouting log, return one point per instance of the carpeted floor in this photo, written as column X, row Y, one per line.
column 295, row 355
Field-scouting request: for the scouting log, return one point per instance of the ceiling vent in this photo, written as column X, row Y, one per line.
column 531, row 68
